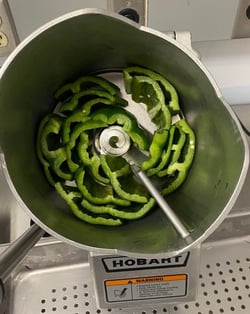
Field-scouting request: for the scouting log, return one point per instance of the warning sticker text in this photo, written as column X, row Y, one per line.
column 142, row 288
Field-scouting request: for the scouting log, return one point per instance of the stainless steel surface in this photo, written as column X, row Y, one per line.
column 224, row 280
column 114, row 141
column 221, row 159
column 140, row 6
column 57, row 279
column 17, row 250
column 228, row 56
column 38, row 284
column 185, row 38
column 242, row 113
column 56, row 270
column 13, row 220
column 241, row 27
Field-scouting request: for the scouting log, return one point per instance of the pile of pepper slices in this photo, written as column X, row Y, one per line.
column 101, row 189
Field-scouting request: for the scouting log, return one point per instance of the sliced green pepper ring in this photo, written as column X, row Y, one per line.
column 43, row 160
column 82, row 97
column 105, row 192
column 75, row 118
column 49, row 135
column 155, row 150
column 39, row 142
column 182, row 149
column 74, row 199
column 165, row 155
column 132, row 213
column 119, row 165
column 117, row 186
column 74, row 135
column 86, row 99
column 84, row 83
column 178, row 169
column 92, row 163
column 51, row 150
column 146, row 90
column 171, row 96
column 102, row 189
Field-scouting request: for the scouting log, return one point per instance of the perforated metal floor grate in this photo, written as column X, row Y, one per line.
column 224, row 283
column 224, row 287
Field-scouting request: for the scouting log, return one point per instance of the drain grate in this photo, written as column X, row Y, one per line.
column 80, row 300
column 66, row 290
column 224, row 287
column 64, row 299
column 76, row 298
column 224, row 282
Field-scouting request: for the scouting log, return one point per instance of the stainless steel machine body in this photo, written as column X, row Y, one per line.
column 221, row 158
column 57, row 278
column 73, row 292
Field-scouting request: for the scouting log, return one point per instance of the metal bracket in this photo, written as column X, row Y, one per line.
column 136, row 10
column 185, row 38
column 8, row 33
column 241, row 28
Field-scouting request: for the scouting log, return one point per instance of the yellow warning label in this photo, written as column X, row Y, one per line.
column 153, row 279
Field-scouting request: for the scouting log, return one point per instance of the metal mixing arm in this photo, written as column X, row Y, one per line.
column 114, row 141
column 10, row 258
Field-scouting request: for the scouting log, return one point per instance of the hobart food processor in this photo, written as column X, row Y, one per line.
column 165, row 262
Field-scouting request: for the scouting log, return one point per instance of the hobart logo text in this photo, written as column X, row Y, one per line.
column 122, row 263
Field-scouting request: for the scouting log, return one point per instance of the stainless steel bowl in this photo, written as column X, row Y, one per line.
column 89, row 41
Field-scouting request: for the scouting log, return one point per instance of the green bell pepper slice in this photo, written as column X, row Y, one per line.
column 146, row 90
column 51, row 149
column 170, row 94
column 165, row 154
column 119, row 188
column 91, row 162
column 85, row 83
column 182, row 137
column 74, row 199
column 105, row 191
column 132, row 213
column 49, row 131
column 75, row 118
column 80, row 115
column 156, row 148
column 178, row 146
column 100, row 194
column 59, row 163
column 74, row 136
column 178, row 169
column 86, row 100
column 119, row 165
column 42, row 159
